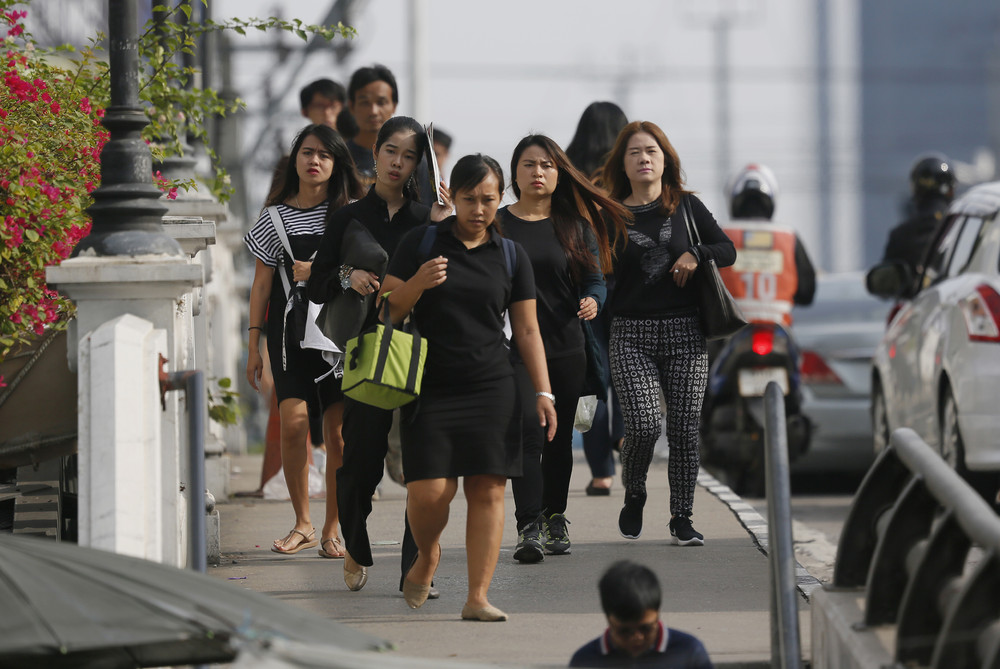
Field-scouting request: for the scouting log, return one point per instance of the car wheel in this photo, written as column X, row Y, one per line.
column 952, row 449
column 880, row 421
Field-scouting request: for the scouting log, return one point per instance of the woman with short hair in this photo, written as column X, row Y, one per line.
column 456, row 281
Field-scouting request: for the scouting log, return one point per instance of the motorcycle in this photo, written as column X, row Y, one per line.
column 732, row 422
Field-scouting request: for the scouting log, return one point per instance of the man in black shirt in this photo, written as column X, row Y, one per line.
column 932, row 180
column 372, row 97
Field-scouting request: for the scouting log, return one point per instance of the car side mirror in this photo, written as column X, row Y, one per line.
column 890, row 280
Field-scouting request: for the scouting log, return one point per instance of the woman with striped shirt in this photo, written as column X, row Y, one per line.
column 319, row 179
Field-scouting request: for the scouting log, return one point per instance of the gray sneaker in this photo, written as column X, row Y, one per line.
column 557, row 534
column 530, row 543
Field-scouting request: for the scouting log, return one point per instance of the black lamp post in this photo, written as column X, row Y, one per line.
column 127, row 212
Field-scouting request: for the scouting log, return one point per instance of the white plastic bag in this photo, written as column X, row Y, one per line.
column 586, row 407
column 276, row 488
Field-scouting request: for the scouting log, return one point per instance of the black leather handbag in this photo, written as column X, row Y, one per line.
column 721, row 317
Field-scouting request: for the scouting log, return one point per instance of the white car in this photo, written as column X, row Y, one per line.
column 937, row 370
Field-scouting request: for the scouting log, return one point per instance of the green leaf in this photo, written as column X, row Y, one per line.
column 31, row 235
column 225, row 382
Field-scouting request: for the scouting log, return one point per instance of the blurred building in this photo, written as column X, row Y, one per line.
column 837, row 96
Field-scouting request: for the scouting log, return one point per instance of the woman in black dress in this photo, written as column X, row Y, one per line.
column 657, row 343
column 319, row 178
column 389, row 210
column 557, row 219
column 466, row 415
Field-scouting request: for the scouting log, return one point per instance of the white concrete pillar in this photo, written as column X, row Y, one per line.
column 120, row 444
column 153, row 288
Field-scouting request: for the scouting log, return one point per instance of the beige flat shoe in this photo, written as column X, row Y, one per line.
column 487, row 614
column 415, row 594
column 307, row 541
column 355, row 580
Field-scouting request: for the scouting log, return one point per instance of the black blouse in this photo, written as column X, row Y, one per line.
column 644, row 287
column 373, row 213
column 463, row 318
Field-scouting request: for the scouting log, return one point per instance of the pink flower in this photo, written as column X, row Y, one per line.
column 55, row 107
column 2, row 384
column 85, row 105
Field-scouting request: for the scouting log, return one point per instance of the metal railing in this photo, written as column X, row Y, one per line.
column 925, row 547
column 786, row 646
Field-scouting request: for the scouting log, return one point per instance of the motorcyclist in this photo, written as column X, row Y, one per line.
column 932, row 181
column 772, row 270
column 772, row 273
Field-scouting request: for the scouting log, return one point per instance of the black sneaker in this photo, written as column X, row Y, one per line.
column 530, row 543
column 557, row 535
column 630, row 519
column 684, row 533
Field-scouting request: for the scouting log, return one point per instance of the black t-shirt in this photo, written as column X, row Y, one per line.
column 373, row 213
column 644, row 286
column 557, row 295
column 463, row 318
column 363, row 159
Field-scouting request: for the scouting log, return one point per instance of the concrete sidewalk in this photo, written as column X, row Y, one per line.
column 718, row 592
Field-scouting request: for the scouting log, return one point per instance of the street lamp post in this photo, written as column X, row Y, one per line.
column 132, row 286
column 127, row 212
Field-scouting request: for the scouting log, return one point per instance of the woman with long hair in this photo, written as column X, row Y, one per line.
column 657, row 343
column 457, row 288
column 595, row 136
column 389, row 210
column 319, row 178
column 557, row 219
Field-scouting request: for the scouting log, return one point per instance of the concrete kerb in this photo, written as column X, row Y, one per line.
column 756, row 525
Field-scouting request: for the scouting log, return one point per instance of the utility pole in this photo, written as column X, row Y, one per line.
column 721, row 17
column 723, row 125
column 420, row 60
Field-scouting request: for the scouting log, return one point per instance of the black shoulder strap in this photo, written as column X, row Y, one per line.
column 509, row 256
column 424, row 250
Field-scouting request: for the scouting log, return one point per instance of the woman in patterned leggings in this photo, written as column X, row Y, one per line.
column 656, row 338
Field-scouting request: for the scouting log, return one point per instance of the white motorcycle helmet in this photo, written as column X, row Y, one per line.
column 753, row 193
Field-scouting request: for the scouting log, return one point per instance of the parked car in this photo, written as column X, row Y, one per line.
column 937, row 370
column 837, row 335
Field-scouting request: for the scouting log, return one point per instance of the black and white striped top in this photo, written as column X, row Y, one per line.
column 263, row 240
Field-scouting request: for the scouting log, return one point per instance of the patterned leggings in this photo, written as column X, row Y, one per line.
column 648, row 355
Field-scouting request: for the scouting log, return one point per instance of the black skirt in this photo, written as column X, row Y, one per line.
column 295, row 377
column 462, row 431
